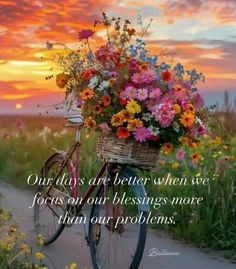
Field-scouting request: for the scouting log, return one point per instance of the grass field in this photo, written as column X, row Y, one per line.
column 27, row 141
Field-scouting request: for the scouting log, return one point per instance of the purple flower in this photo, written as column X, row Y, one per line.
column 197, row 101
column 133, row 66
column 142, row 134
column 85, row 34
column 180, row 154
column 130, row 93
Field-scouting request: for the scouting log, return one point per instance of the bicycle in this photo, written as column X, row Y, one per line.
column 113, row 243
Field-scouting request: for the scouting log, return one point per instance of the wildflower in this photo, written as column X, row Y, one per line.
column 155, row 93
column 13, row 229
column 142, row 134
column 180, row 154
column 167, row 147
column 103, row 85
column 189, row 108
column 123, row 132
column 87, row 75
column 133, row 107
column 126, row 115
column 197, row 101
column 130, row 93
column 87, row 94
column 142, row 94
column 166, row 76
column 104, row 128
column 61, row 80
column 183, row 140
column 133, row 66
column 134, row 124
column 176, row 108
column 97, row 109
column 39, row 256
column 26, row 249
column 117, row 120
column 143, row 67
column 195, row 157
column 72, row 266
column 187, row 119
column 85, row 34
column 147, row 117
column 123, row 101
column 149, row 76
column 40, row 240
column 106, row 100
column 164, row 114
column 155, row 131
column 93, row 82
column 131, row 31
column 90, row 123
column 175, row 165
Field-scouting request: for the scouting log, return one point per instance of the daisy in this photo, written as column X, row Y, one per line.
column 134, row 124
column 155, row 93
column 133, row 107
column 142, row 134
column 117, row 120
column 142, row 94
column 87, row 94
column 180, row 154
column 187, row 119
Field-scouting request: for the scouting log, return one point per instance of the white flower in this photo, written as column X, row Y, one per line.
column 103, row 85
column 147, row 116
column 93, row 82
column 154, row 130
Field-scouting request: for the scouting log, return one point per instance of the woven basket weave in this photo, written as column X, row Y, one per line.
column 127, row 151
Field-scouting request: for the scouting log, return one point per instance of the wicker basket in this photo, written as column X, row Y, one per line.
column 112, row 149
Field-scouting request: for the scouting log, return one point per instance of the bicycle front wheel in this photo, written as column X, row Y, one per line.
column 117, row 230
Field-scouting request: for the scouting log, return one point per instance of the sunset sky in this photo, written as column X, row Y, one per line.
column 202, row 33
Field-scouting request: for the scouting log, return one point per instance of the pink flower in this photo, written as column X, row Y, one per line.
column 142, row 134
column 129, row 93
column 155, row 93
column 104, row 128
column 164, row 115
column 142, row 94
column 149, row 76
column 151, row 104
column 197, row 101
column 85, row 34
column 137, row 78
column 133, row 66
column 180, row 154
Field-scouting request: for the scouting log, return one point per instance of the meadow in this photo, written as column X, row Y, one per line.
column 27, row 141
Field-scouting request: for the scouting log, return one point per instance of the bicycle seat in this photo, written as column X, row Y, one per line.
column 76, row 120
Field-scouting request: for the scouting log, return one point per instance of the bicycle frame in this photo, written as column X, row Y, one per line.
column 74, row 172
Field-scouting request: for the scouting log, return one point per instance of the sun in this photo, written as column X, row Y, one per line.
column 18, row 106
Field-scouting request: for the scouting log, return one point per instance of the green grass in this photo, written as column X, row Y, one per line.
column 212, row 224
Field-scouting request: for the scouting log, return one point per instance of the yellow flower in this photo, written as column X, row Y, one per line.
column 40, row 240
column 117, row 119
column 61, row 80
column 87, row 94
column 13, row 229
column 90, row 123
column 133, row 124
column 175, row 165
column 133, row 107
column 39, row 256
column 187, row 119
column 176, row 108
column 73, row 265
column 26, row 249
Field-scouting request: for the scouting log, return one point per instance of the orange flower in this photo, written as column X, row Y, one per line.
column 106, row 100
column 167, row 147
column 134, row 124
column 195, row 158
column 126, row 115
column 190, row 108
column 176, row 108
column 122, row 132
column 111, row 81
column 87, row 94
column 143, row 67
column 117, row 120
column 131, row 31
column 61, row 80
column 90, row 123
column 177, row 87
column 187, row 119
column 97, row 109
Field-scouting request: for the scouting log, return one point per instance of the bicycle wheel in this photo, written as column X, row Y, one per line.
column 112, row 244
column 46, row 215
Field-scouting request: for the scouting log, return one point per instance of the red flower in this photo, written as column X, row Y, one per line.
column 86, row 75
column 85, row 34
column 123, row 102
column 106, row 100
column 122, row 132
column 166, row 75
column 154, row 137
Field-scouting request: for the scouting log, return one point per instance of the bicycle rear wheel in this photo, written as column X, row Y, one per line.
column 112, row 244
column 46, row 215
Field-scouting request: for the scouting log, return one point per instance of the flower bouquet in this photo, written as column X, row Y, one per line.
column 136, row 102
